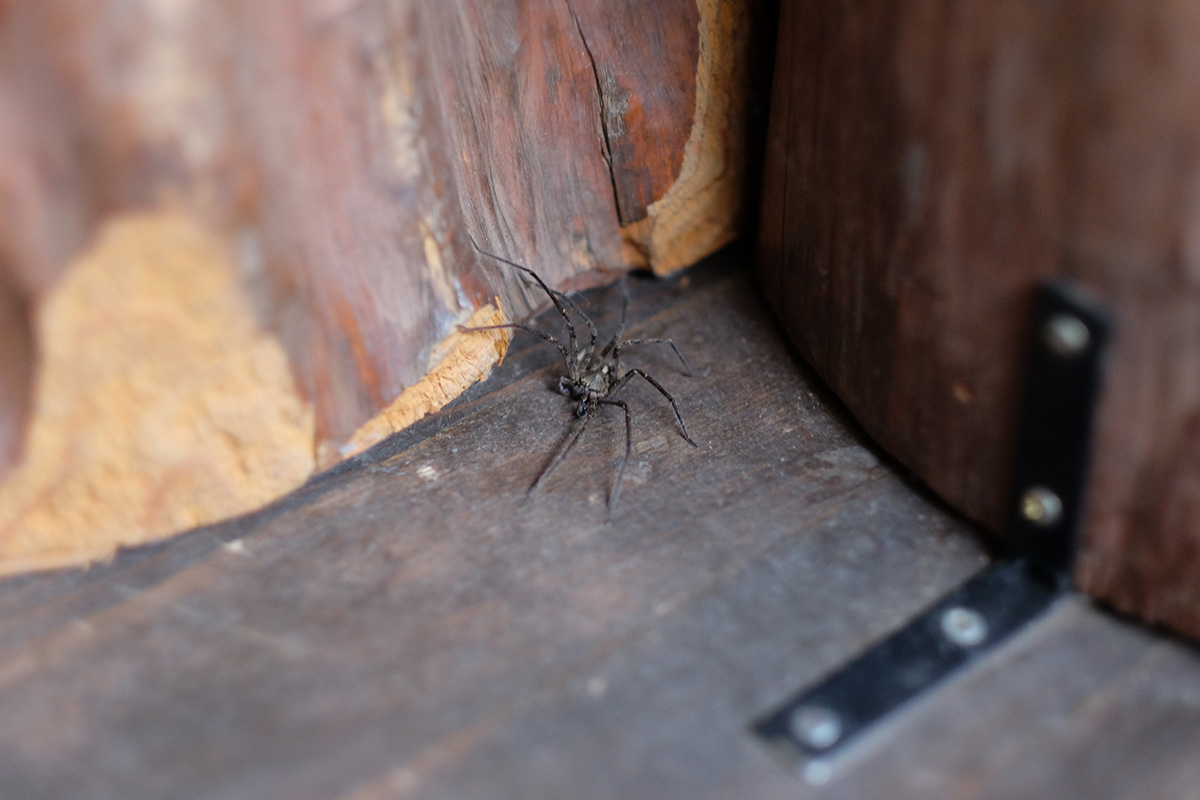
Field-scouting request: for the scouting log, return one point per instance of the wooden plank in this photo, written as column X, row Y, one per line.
column 400, row 608
column 1082, row 705
column 667, row 713
column 405, row 626
column 926, row 168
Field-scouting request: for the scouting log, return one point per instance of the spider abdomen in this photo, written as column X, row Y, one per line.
column 596, row 381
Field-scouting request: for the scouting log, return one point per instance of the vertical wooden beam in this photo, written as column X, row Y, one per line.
column 928, row 164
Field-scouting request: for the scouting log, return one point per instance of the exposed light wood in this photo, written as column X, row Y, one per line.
column 161, row 402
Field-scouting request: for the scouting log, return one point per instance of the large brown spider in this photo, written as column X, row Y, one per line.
column 593, row 376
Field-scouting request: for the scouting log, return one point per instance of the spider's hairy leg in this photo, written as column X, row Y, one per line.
column 624, row 306
column 614, row 345
column 553, row 295
column 678, row 417
column 527, row 329
column 592, row 334
column 560, row 456
column 616, row 490
column 686, row 369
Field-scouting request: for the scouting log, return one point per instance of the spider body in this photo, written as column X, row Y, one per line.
column 592, row 376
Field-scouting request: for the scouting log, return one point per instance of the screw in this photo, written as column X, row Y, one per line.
column 1066, row 335
column 816, row 726
column 817, row 773
column 965, row 627
column 1041, row 506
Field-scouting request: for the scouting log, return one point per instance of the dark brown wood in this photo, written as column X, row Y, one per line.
column 927, row 166
column 16, row 370
column 406, row 625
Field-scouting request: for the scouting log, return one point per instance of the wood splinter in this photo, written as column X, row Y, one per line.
column 468, row 359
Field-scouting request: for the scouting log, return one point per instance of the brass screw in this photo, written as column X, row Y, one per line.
column 1041, row 506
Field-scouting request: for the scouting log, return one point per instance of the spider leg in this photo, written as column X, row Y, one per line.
column 686, row 369
column 559, row 457
column 566, row 298
column 553, row 295
column 678, row 417
column 616, row 490
column 527, row 329
column 614, row 344
column 624, row 306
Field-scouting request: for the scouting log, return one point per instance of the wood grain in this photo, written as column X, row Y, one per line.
column 645, row 58
column 352, row 151
column 1036, row 722
column 354, row 145
column 705, row 206
column 927, row 166
column 406, row 626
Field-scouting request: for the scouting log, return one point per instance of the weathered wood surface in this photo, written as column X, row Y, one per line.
column 1080, row 706
column 353, row 145
column 346, row 152
column 406, row 626
column 927, row 166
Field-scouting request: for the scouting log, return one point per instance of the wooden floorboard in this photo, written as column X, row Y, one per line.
column 1081, row 705
column 408, row 625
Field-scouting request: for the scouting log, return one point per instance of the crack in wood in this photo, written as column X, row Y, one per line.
column 603, row 115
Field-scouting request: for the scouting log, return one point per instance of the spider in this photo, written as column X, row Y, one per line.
column 593, row 376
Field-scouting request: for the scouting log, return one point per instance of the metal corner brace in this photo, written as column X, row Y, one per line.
column 1049, row 478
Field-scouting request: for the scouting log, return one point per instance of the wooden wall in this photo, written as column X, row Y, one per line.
column 928, row 164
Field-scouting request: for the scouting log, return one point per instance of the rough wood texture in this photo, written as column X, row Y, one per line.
column 355, row 144
column 405, row 626
column 927, row 165
column 161, row 403
column 352, row 149
column 705, row 206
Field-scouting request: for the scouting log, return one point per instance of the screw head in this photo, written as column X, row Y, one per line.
column 964, row 626
column 1066, row 335
column 816, row 727
column 1041, row 506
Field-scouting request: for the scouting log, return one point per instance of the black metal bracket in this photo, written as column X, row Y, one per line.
column 1066, row 357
